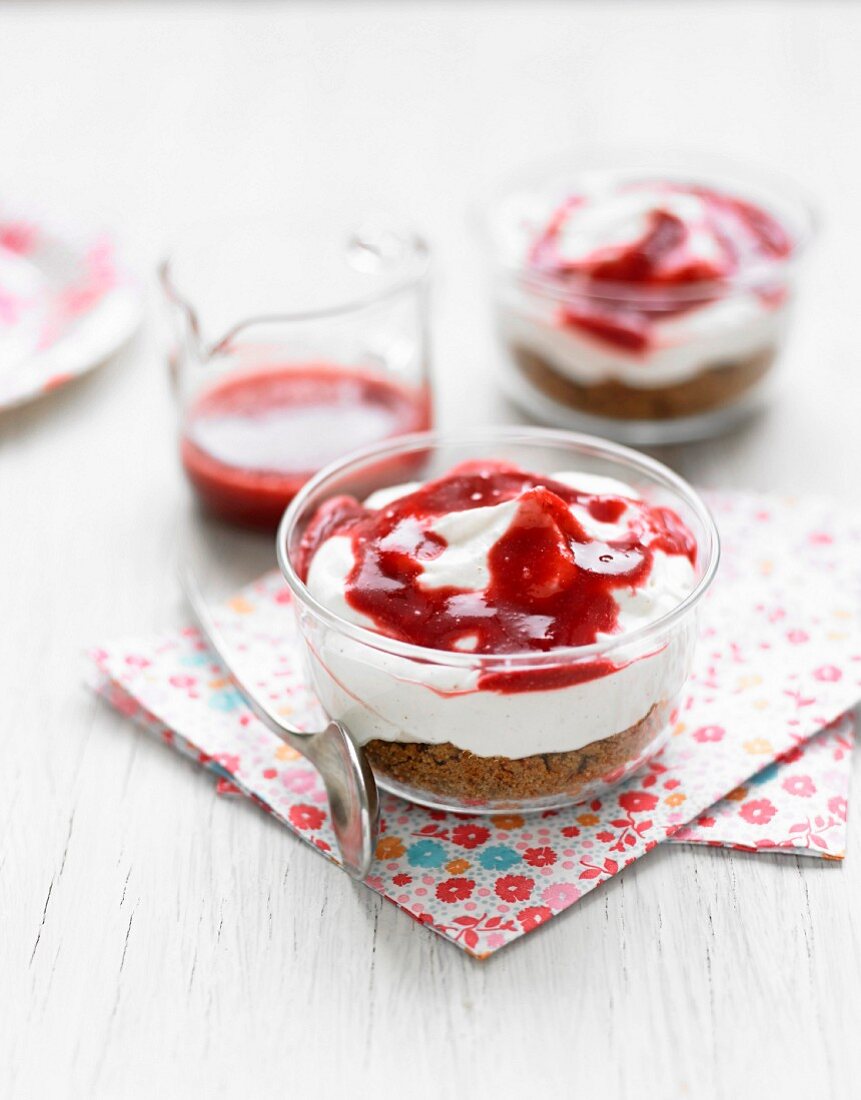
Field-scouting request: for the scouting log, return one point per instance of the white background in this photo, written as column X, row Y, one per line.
column 158, row 941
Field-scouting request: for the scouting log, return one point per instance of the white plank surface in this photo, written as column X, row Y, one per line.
column 157, row 941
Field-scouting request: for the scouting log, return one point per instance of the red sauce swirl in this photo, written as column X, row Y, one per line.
column 551, row 584
column 667, row 254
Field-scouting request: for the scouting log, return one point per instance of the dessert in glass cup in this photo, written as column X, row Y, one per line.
column 647, row 299
column 510, row 628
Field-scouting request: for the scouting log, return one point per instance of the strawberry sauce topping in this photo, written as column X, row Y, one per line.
column 665, row 236
column 551, row 583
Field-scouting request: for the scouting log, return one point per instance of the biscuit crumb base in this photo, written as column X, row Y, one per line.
column 448, row 772
column 715, row 387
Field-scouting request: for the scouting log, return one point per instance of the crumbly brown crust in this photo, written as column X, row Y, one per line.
column 714, row 387
column 452, row 773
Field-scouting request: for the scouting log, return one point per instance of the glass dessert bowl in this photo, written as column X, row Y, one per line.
column 645, row 299
column 503, row 619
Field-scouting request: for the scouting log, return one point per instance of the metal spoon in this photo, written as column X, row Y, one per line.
column 354, row 804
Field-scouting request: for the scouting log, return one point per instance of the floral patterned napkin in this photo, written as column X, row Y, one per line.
column 796, row 804
column 779, row 660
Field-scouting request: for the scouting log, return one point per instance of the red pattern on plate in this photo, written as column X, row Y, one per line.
column 65, row 305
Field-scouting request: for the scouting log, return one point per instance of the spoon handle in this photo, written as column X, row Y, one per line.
column 347, row 776
column 222, row 649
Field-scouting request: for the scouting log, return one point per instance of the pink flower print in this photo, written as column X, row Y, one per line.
column 800, row 785
column 838, row 806
column 759, row 811
column 299, row 780
column 182, row 681
column 534, row 915
column 828, row 674
column 306, row 817
column 10, row 309
column 821, row 538
column 560, row 895
column 798, row 637
column 136, row 661
column 637, row 802
column 18, row 237
column 228, row 761
column 514, row 887
column 540, row 857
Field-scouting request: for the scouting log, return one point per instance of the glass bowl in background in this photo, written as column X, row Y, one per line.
column 638, row 362
column 432, row 721
column 292, row 342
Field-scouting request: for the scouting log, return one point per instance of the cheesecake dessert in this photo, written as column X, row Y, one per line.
column 518, row 640
column 639, row 297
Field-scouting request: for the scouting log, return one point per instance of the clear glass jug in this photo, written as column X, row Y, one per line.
column 291, row 344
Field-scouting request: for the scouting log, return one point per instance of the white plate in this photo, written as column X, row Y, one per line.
column 65, row 304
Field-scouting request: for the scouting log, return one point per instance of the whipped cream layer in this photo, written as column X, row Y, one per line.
column 730, row 331
column 384, row 696
column 657, row 290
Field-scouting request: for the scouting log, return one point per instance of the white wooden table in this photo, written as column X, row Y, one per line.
column 156, row 940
